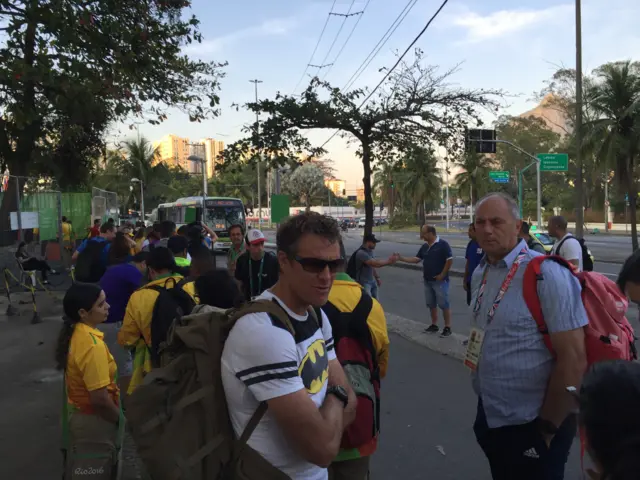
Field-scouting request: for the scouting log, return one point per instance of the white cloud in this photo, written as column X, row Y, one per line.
column 268, row 28
column 505, row 22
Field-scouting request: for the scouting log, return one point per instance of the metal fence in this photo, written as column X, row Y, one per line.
column 104, row 205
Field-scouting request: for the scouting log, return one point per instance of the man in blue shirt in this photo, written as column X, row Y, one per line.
column 436, row 257
column 473, row 256
column 107, row 234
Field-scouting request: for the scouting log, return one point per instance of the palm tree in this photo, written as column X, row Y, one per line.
column 472, row 181
column 423, row 180
column 616, row 101
column 384, row 181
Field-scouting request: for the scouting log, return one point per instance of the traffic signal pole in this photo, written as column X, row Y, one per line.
column 536, row 161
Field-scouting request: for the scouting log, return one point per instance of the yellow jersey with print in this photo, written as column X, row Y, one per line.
column 66, row 231
column 90, row 366
column 139, row 312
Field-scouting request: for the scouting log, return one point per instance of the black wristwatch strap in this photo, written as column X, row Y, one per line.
column 339, row 393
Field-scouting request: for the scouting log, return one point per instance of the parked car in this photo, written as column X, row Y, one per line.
column 361, row 223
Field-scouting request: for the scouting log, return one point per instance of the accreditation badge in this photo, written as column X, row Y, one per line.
column 474, row 348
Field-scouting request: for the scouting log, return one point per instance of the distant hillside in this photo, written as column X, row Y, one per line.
column 552, row 116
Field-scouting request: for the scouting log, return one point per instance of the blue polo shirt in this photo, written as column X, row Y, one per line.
column 434, row 258
column 473, row 255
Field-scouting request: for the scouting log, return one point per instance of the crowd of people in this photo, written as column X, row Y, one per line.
column 320, row 372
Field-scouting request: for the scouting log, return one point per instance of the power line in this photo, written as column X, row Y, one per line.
column 316, row 47
column 415, row 40
column 335, row 39
column 433, row 17
column 381, row 43
column 347, row 40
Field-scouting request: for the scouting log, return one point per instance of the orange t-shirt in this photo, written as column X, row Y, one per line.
column 90, row 366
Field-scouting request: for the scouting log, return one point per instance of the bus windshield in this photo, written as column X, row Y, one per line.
column 221, row 218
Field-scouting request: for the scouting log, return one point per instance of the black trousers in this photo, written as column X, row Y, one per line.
column 35, row 264
column 468, row 294
column 520, row 451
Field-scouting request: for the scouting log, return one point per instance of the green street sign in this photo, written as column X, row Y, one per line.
column 553, row 162
column 499, row 176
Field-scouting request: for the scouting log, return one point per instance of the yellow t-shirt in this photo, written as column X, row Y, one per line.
column 66, row 231
column 90, row 366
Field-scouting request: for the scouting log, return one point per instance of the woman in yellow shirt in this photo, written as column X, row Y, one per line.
column 90, row 371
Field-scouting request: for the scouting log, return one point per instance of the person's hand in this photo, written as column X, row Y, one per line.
column 439, row 277
column 465, row 286
column 548, row 439
column 378, row 281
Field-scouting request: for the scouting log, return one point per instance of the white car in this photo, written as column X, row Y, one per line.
column 361, row 223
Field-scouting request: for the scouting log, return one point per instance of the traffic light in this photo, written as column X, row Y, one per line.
column 480, row 140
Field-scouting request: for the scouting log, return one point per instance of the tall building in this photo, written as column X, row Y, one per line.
column 174, row 151
column 336, row 186
column 212, row 148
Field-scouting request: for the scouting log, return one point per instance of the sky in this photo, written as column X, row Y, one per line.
column 500, row 45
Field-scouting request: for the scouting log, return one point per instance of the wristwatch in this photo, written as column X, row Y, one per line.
column 546, row 427
column 340, row 393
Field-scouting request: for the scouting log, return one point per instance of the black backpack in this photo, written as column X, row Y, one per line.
column 90, row 266
column 171, row 304
column 356, row 352
column 587, row 262
column 352, row 266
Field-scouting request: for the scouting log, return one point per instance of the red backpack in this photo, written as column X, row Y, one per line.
column 357, row 355
column 608, row 336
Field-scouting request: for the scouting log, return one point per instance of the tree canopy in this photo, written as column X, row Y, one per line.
column 416, row 106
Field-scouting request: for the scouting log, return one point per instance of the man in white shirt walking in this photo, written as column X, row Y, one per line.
column 567, row 246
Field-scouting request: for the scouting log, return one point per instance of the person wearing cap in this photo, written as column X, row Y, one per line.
column 366, row 265
column 256, row 270
column 436, row 257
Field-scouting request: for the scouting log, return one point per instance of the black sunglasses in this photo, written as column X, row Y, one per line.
column 317, row 265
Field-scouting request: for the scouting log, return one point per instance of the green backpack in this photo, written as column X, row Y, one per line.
column 178, row 416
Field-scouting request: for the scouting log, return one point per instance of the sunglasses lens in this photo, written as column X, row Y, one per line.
column 317, row 265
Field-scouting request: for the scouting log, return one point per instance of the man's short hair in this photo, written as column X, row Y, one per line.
column 183, row 230
column 107, row 227
column 177, row 244
column 97, row 221
column 524, row 229
column 559, row 221
column 64, row 219
column 140, row 257
column 630, row 271
column 161, row 258
column 511, row 203
column 431, row 229
column 167, row 228
column 236, row 225
column 311, row 223
column 202, row 260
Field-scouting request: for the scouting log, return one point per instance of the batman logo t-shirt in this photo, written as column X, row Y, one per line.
column 261, row 361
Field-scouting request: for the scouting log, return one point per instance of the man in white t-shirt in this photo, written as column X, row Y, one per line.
column 567, row 246
column 309, row 398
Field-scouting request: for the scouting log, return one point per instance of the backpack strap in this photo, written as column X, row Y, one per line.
column 532, row 275
column 264, row 306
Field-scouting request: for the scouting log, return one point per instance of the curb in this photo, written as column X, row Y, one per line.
column 414, row 332
column 406, row 266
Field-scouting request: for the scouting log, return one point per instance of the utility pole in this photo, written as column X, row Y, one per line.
column 256, row 82
column 578, row 126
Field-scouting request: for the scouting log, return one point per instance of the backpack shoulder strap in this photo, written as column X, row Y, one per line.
column 264, row 306
column 532, row 275
column 364, row 306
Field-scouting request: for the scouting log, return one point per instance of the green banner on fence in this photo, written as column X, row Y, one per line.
column 48, row 221
column 280, row 205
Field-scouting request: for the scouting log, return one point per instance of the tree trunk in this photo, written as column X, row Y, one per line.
column 307, row 203
column 421, row 221
column 368, row 200
column 632, row 191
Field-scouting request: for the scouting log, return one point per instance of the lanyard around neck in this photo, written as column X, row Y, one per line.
column 234, row 254
column 503, row 288
column 259, row 277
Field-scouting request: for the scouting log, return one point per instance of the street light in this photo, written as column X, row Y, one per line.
column 203, row 162
column 137, row 180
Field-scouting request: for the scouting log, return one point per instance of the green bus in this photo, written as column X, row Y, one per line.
column 220, row 214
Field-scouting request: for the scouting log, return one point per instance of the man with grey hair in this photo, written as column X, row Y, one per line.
column 567, row 246
column 524, row 421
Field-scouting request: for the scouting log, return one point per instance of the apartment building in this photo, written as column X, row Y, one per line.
column 174, row 151
column 336, row 186
column 212, row 149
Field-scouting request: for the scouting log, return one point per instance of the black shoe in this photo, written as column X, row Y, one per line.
column 432, row 329
column 446, row 331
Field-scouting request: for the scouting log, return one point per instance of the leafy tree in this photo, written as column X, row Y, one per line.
column 416, row 105
column 305, row 182
column 616, row 101
column 473, row 180
column 423, row 182
column 70, row 68
column 383, row 182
